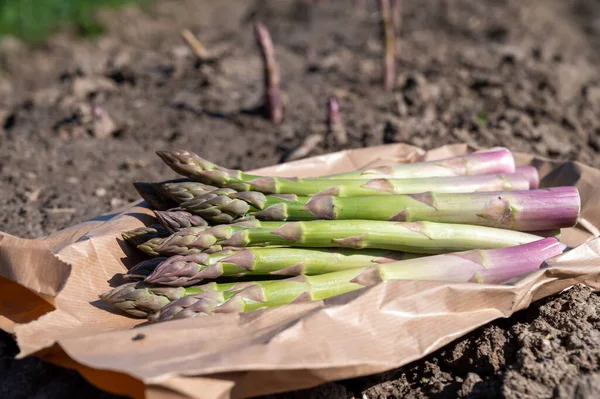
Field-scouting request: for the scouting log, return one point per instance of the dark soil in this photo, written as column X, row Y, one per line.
column 551, row 350
column 80, row 121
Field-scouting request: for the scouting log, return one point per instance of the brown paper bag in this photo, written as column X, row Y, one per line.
column 49, row 299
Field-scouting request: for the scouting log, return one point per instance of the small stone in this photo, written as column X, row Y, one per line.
column 116, row 202
column 100, row 192
column 72, row 180
column 34, row 195
column 401, row 107
column 130, row 163
column 103, row 126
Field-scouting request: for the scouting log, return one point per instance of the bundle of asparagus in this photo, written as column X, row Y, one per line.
column 473, row 218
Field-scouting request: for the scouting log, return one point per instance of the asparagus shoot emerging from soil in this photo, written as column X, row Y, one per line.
column 531, row 173
column 495, row 161
column 529, row 210
column 192, row 269
column 334, row 122
column 176, row 220
column 197, row 168
column 493, row 266
column 414, row 237
column 271, row 73
column 389, row 44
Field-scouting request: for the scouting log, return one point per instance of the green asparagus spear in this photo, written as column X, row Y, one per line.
column 140, row 299
column 492, row 266
column 414, row 237
column 495, row 161
column 192, row 269
column 150, row 246
column 191, row 165
column 530, row 210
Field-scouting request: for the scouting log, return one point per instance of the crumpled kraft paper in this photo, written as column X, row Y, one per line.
column 49, row 291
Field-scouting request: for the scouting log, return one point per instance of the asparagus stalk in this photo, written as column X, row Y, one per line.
column 389, row 44
column 414, row 237
column 140, row 235
column 192, row 269
column 529, row 210
column 271, row 73
column 334, row 122
column 150, row 247
column 190, row 241
column 495, row 161
column 195, row 167
column 176, row 220
column 492, row 266
column 532, row 175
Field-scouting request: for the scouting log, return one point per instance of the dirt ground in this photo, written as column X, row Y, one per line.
column 80, row 121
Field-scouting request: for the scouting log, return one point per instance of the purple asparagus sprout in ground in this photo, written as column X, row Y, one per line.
column 334, row 122
column 271, row 73
column 389, row 44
